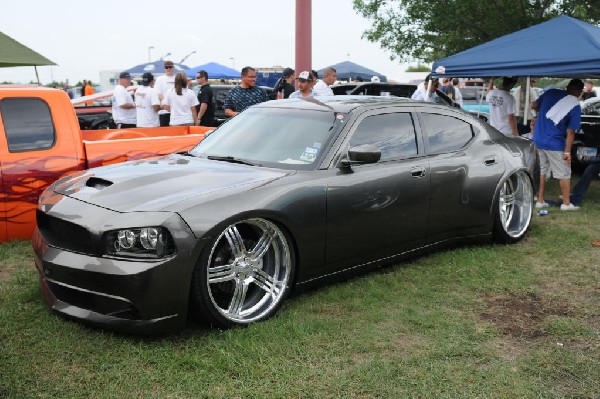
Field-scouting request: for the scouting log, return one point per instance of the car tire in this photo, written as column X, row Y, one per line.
column 513, row 208
column 244, row 274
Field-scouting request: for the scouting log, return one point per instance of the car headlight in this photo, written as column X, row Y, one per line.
column 143, row 242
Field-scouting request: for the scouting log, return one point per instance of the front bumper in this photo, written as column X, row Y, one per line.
column 142, row 297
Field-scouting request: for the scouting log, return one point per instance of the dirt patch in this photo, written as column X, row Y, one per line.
column 5, row 273
column 520, row 315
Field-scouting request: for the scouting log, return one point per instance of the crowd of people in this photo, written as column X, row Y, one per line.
column 169, row 101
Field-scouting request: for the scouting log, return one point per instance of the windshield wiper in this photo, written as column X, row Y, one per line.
column 229, row 159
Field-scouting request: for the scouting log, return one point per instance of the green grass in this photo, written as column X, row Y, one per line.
column 520, row 321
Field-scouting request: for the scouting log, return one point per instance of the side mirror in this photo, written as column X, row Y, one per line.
column 362, row 154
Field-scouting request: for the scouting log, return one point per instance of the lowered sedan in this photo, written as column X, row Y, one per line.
column 287, row 194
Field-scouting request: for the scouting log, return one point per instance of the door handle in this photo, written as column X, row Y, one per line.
column 417, row 172
column 489, row 160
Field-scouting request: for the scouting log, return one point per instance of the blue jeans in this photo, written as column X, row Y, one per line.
column 578, row 192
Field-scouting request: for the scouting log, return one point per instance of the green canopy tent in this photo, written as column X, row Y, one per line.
column 13, row 53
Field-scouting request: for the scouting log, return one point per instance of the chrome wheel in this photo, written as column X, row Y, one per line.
column 249, row 270
column 515, row 206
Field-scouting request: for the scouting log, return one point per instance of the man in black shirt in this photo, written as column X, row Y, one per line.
column 284, row 87
column 206, row 109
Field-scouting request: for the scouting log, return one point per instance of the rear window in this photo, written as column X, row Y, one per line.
column 445, row 133
column 27, row 124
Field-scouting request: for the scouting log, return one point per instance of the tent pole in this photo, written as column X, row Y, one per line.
column 36, row 74
column 526, row 105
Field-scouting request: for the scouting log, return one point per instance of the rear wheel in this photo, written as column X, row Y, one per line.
column 244, row 274
column 513, row 208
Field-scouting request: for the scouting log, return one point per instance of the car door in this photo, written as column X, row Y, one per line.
column 377, row 210
column 465, row 168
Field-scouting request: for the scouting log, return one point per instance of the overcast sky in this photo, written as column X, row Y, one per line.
column 85, row 37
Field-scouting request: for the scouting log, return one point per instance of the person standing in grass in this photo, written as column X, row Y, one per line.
column 559, row 117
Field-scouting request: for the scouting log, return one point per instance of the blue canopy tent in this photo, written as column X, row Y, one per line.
column 155, row 68
column 350, row 70
column 560, row 47
column 215, row 71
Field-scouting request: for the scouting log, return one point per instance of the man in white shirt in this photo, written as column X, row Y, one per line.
column 321, row 88
column 502, row 106
column 123, row 107
column 147, row 103
column 457, row 94
column 162, row 85
column 523, row 123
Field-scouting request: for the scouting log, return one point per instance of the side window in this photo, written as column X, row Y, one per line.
column 445, row 133
column 394, row 134
column 28, row 124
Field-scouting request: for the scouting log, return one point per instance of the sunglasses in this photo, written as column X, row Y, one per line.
column 168, row 66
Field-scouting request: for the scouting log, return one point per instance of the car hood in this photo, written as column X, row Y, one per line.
column 159, row 184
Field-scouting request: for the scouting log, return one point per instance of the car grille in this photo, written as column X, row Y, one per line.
column 65, row 235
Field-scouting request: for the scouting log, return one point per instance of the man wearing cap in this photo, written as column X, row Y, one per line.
column 304, row 86
column 123, row 107
column 284, row 86
column 147, row 103
column 245, row 95
column 502, row 106
column 162, row 84
column 322, row 88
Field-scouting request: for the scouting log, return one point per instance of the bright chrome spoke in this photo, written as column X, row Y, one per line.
column 218, row 274
column 266, row 282
column 238, row 299
column 262, row 246
column 235, row 240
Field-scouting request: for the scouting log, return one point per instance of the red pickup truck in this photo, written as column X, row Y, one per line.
column 40, row 141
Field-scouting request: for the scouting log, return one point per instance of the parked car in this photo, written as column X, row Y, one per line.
column 385, row 89
column 286, row 195
column 587, row 139
column 375, row 89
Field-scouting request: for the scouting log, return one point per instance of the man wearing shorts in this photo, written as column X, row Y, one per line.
column 559, row 118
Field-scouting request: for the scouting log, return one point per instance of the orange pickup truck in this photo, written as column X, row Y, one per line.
column 40, row 141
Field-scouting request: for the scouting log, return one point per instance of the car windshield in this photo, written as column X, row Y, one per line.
column 276, row 137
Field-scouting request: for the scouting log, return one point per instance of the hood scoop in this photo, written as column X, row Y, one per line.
column 98, row 183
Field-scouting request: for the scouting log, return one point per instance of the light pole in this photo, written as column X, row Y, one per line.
column 232, row 61
column 166, row 55
column 186, row 57
column 149, row 49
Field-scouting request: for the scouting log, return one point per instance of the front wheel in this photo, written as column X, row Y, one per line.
column 244, row 274
column 513, row 208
